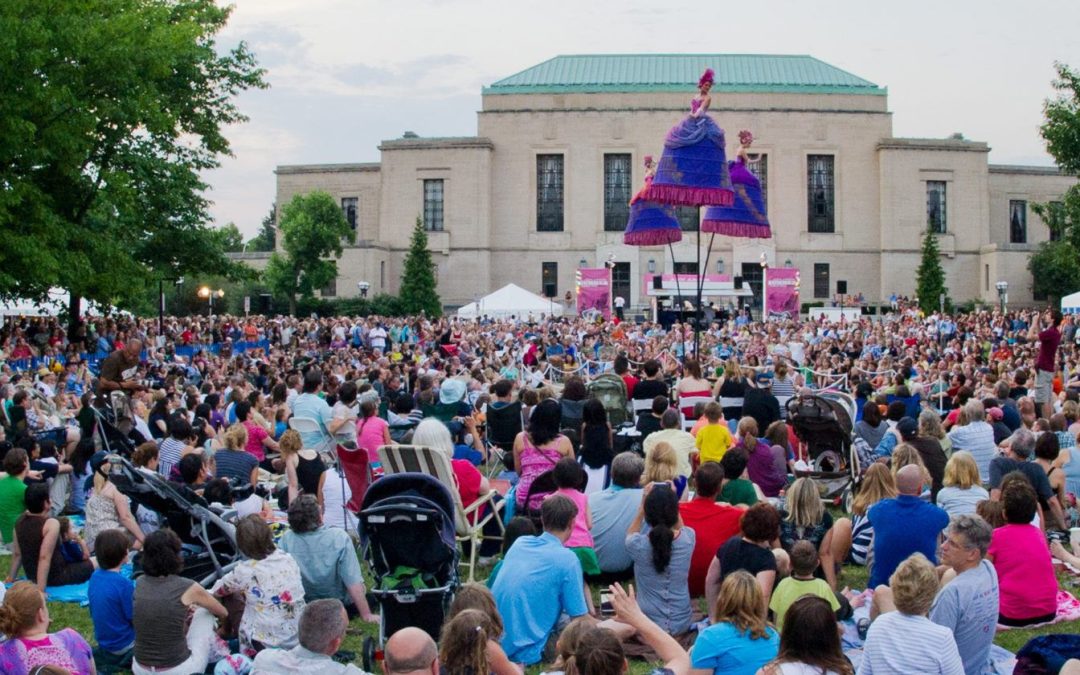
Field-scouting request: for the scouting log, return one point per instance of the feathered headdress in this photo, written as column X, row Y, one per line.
column 745, row 137
column 648, row 160
column 706, row 77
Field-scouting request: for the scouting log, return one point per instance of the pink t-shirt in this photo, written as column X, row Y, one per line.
column 1025, row 572
column 256, row 435
column 581, row 535
column 370, row 436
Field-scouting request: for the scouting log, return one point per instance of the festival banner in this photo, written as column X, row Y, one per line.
column 594, row 291
column 782, row 291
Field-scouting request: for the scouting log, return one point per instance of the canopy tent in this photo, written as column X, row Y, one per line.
column 511, row 300
column 53, row 306
column 1070, row 304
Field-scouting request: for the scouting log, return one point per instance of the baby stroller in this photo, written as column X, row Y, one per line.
column 209, row 540
column 109, row 437
column 823, row 423
column 407, row 525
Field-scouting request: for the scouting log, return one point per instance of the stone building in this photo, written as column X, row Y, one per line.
column 542, row 189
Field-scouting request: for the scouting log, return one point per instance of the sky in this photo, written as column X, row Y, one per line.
column 347, row 74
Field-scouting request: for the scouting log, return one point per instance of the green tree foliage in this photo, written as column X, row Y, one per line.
column 267, row 236
column 1055, row 265
column 930, row 277
column 110, row 110
column 312, row 229
column 418, row 292
column 229, row 238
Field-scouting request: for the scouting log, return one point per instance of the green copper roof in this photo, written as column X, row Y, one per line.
column 594, row 73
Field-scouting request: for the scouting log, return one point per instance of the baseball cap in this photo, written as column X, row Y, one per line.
column 907, row 427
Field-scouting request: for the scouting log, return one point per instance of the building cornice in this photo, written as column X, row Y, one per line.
column 1027, row 170
column 460, row 143
column 286, row 169
column 682, row 110
column 938, row 144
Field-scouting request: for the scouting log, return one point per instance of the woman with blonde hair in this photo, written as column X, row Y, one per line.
column 730, row 390
column 662, row 466
column 234, row 461
column 108, row 509
column 24, row 620
column 739, row 639
column 851, row 538
column 807, row 519
column 304, row 469
column 963, row 491
column 905, row 454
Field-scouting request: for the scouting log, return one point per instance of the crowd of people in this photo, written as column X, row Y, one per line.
column 967, row 426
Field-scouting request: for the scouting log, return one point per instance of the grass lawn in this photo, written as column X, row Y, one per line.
column 67, row 615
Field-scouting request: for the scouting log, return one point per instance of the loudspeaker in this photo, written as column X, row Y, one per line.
column 841, row 287
column 658, row 282
column 738, row 283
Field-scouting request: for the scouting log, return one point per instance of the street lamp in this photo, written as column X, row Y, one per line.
column 1003, row 294
column 210, row 294
column 764, row 262
column 363, row 286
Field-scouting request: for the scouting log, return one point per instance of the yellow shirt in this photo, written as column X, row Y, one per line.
column 712, row 441
column 791, row 589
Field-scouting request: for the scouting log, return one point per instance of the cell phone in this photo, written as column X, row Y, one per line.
column 606, row 606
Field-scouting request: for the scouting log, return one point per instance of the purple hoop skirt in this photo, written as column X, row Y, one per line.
column 746, row 216
column 693, row 170
column 651, row 224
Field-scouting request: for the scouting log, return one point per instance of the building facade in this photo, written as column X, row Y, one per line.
column 543, row 187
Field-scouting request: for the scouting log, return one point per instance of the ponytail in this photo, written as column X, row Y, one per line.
column 661, row 538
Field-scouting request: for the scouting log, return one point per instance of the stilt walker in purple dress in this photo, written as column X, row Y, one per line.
column 650, row 224
column 693, row 169
column 746, row 216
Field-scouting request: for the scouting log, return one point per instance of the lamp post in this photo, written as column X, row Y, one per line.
column 764, row 286
column 363, row 287
column 1003, row 294
column 210, row 294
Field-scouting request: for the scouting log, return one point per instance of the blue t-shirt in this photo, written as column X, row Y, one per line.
column 723, row 648
column 110, row 595
column 539, row 580
column 902, row 526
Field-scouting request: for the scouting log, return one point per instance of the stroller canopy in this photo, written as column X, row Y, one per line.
column 418, row 489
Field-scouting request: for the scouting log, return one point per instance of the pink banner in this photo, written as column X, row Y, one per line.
column 594, row 291
column 782, row 291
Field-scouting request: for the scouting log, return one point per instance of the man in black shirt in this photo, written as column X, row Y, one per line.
column 759, row 403
column 652, row 385
column 1017, row 457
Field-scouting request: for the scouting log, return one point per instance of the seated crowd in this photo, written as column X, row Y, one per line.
column 963, row 478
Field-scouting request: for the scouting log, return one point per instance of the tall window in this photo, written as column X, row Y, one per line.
column 689, row 217
column 684, row 268
column 616, row 192
column 549, row 279
column 1017, row 221
column 382, row 274
column 330, row 290
column 935, row 206
column 348, row 208
column 760, row 169
column 1055, row 219
column 620, row 281
column 820, row 186
column 433, row 205
column 821, row 280
column 549, row 193
column 751, row 273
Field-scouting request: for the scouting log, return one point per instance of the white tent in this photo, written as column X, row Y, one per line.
column 511, row 300
column 1070, row 304
column 55, row 303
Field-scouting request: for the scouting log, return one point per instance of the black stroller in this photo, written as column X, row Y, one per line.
column 209, row 541
column 407, row 525
column 823, row 422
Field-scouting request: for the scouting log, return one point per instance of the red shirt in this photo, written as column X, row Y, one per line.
column 713, row 524
column 630, row 382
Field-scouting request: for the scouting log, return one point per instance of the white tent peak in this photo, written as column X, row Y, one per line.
column 1070, row 304
column 511, row 300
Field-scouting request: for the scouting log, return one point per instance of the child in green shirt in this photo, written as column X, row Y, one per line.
column 804, row 560
column 737, row 489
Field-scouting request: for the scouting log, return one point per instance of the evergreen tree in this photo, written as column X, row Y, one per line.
column 418, row 291
column 267, row 236
column 930, row 277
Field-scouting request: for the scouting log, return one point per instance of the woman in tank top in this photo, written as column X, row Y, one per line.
column 539, row 449
column 161, row 604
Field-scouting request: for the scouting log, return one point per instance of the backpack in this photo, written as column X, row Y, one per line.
column 610, row 390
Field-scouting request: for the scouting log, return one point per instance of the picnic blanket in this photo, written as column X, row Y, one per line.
column 1002, row 661
column 75, row 593
column 1068, row 609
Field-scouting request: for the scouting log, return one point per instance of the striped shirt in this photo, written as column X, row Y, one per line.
column 900, row 643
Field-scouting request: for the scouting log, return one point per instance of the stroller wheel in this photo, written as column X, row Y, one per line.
column 847, row 499
column 368, row 656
